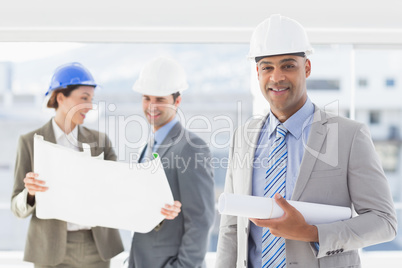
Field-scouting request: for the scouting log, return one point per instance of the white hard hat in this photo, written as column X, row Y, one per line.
column 161, row 77
column 279, row 35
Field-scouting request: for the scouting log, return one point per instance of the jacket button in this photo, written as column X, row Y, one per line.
column 341, row 250
column 245, row 263
column 328, row 253
column 245, row 229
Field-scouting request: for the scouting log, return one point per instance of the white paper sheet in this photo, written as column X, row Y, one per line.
column 266, row 208
column 88, row 191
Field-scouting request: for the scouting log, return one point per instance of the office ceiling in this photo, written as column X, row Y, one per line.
column 342, row 21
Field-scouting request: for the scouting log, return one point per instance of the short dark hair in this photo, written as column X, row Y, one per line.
column 52, row 103
column 175, row 96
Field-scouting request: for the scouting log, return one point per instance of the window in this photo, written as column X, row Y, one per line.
column 388, row 153
column 323, row 84
column 214, row 90
column 375, row 117
column 394, row 133
column 390, row 82
column 384, row 122
column 363, row 83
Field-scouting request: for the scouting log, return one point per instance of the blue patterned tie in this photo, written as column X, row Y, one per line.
column 273, row 248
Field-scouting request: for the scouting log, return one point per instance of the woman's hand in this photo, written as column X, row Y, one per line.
column 33, row 185
column 171, row 211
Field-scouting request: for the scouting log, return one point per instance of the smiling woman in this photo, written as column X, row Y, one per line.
column 72, row 88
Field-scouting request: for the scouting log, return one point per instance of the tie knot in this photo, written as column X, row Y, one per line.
column 281, row 131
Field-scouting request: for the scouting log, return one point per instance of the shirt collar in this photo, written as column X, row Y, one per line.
column 161, row 133
column 272, row 123
column 58, row 132
column 296, row 122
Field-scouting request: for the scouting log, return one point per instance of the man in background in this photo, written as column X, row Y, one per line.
column 181, row 242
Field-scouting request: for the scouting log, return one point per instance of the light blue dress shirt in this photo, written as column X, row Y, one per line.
column 161, row 133
column 298, row 126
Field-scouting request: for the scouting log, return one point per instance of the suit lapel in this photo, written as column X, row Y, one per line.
column 47, row 132
column 251, row 137
column 175, row 133
column 85, row 136
column 318, row 133
column 141, row 152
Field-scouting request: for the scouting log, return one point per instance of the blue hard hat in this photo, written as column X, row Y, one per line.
column 71, row 74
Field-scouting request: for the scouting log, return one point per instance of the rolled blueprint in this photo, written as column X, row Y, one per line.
column 266, row 208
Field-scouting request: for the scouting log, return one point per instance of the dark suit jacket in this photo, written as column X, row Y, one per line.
column 46, row 241
column 181, row 242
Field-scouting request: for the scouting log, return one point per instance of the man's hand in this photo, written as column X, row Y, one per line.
column 291, row 225
column 171, row 211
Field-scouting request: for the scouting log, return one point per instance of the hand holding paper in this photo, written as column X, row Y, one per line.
column 171, row 211
column 34, row 185
column 291, row 225
column 266, row 208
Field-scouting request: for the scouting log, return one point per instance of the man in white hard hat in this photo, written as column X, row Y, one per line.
column 301, row 153
column 181, row 242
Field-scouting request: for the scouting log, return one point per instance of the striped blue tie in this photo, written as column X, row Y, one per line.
column 273, row 248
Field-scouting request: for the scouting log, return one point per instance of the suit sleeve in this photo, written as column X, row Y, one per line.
column 227, row 241
column 198, row 206
column 109, row 152
column 371, row 197
column 23, row 165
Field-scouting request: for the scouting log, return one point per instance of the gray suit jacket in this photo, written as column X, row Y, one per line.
column 339, row 167
column 46, row 241
column 181, row 242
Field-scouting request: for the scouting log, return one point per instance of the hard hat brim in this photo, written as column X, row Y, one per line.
column 299, row 54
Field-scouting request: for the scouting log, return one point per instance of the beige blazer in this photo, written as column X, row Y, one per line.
column 46, row 241
column 339, row 167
